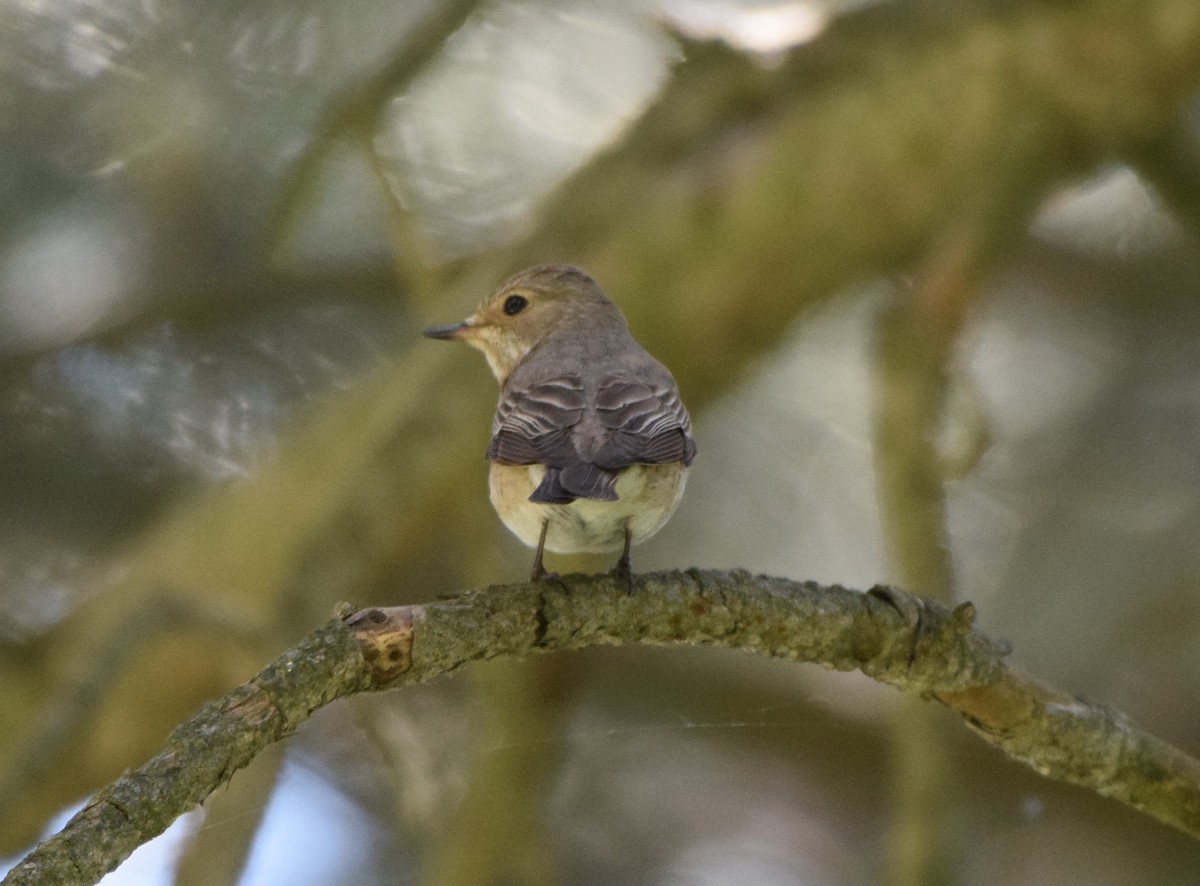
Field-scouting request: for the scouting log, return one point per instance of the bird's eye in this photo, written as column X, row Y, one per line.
column 515, row 304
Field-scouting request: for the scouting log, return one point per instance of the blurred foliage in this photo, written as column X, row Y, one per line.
column 223, row 225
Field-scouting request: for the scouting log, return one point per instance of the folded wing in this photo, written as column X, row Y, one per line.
column 584, row 438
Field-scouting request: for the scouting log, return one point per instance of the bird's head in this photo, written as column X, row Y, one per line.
column 529, row 308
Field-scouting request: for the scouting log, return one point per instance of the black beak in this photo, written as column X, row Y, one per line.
column 451, row 331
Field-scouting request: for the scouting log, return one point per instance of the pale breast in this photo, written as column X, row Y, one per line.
column 646, row 497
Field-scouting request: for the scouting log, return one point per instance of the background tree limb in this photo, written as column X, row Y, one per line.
column 905, row 641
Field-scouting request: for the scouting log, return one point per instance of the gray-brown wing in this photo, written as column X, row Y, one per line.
column 584, row 445
column 646, row 424
column 535, row 424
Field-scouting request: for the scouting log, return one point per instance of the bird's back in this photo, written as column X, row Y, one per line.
column 588, row 406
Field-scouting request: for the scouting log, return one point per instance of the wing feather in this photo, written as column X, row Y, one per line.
column 585, row 438
column 647, row 424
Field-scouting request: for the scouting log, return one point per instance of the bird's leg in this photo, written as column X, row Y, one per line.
column 539, row 571
column 623, row 569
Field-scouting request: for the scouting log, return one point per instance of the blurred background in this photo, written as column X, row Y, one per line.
column 925, row 271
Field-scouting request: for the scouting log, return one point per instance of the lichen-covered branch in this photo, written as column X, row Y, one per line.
column 915, row 645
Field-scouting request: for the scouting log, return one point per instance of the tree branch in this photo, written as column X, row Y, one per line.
column 913, row 644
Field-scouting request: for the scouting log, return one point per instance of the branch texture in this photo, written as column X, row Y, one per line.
column 905, row 641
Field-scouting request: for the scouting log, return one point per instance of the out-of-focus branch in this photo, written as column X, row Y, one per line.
column 356, row 114
column 913, row 644
column 1170, row 161
column 71, row 712
column 856, row 154
column 913, row 354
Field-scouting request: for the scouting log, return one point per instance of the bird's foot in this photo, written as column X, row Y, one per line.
column 623, row 570
column 624, row 573
column 541, row 574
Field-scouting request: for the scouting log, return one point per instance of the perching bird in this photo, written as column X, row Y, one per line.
column 590, row 442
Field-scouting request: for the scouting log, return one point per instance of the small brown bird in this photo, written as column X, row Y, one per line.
column 590, row 442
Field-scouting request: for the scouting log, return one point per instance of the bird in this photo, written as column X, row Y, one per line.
column 590, row 442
